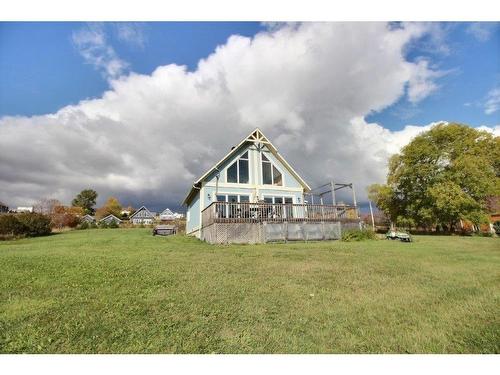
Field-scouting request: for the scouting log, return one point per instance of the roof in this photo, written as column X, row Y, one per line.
column 167, row 211
column 111, row 215
column 256, row 136
column 139, row 210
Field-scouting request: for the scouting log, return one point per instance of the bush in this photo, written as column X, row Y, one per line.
column 84, row 225
column 10, row 226
column 35, row 224
column 496, row 227
column 93, row 225
column 113, row 224
column 358, row 235
column 103, row 225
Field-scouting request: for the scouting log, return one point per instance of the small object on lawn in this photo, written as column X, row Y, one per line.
column 164, row 230
column 402, row 236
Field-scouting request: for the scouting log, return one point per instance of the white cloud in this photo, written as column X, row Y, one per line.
column 92, row 45
column 492, row 103
column 482, row 30
column 131, row 33
column 308, row 87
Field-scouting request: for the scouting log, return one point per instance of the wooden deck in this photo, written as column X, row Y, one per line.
column 224, row 222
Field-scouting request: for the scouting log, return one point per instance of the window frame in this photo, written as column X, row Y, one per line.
column 237, row 162
column 273, row 165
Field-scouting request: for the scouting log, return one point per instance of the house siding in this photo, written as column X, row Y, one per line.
column 193, row 211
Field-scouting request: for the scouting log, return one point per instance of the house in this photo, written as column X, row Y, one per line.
column 108, row 219
column 3, row 208
column 253, row 195
column 168, row 215
column 24, row 209
column 87, row 219
column 142, row 216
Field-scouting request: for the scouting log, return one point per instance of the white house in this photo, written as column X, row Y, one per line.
column 167, row 215
column 25, row 209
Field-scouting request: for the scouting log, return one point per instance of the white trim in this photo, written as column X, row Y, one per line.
column 272, row 173
column 236, row 160
column 254, row 186
column 280, row 196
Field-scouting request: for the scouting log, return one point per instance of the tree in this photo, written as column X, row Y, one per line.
column 63, row 216
column 444, row 175
column 112, row 206
column 86, row 199
column 46, row 206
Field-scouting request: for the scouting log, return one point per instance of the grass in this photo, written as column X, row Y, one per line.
column 125, row 291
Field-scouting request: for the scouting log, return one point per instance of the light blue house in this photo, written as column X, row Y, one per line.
column 253, row 171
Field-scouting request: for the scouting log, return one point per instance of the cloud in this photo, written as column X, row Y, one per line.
column 131, row 33
column 92, row 45
column 482, row 31
column 492, row 103
column 308, row 87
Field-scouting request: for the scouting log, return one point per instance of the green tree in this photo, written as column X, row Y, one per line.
column 86, row 199
column 443, row 175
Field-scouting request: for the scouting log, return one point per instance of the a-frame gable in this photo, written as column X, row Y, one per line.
column 142, row 212
column 258, row 138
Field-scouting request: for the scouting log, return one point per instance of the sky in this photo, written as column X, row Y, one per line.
column 140, row 110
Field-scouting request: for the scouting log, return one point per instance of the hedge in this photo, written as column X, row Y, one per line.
column 28, row 224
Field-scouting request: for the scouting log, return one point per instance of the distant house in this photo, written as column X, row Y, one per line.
column 88, row 219
column 24, row 209
column 142, row 216
column 108, row 219
column 3, row 208
column 167, row 215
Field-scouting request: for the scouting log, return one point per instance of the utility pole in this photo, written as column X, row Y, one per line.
column 371, row 214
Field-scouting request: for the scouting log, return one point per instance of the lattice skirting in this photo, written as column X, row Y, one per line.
column 251, row 233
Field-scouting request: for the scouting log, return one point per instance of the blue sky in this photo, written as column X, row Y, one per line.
column 41, row 70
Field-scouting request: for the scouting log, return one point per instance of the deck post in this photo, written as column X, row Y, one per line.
column 371, row 214
column 334, row 200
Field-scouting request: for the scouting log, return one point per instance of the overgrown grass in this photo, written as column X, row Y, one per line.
column 125, row 291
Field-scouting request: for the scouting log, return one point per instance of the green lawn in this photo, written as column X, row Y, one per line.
column 125, row 291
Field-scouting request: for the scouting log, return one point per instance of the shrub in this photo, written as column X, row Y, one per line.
column 113, row 224
column 358, row 235
column 93, row 225
column 103, row 225
column 84, row 225
column 10, row 225
column 35, row 224
column 496, row 227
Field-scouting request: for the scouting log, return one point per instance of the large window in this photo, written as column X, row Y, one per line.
column 270, row 174
column 238, row 171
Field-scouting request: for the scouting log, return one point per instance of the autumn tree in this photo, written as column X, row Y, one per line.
column 442, row 176
column 63, row 216
column 112, row 206
column 86, row 199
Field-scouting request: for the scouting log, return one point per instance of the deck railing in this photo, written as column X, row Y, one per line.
column 225, row 212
